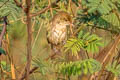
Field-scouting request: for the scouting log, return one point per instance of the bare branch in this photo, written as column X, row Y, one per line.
column 18, row 3
column 3, row 30
column 30, row 72
column 29, row 33
column 43, row 10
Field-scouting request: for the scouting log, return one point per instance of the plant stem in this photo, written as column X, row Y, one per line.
column 29, row 31
column 68, row 77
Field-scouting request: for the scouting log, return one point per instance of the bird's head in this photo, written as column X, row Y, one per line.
column 62, row 18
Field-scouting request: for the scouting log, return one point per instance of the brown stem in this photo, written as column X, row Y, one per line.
column 50, row 8
column 29, row 31
column 79, row 29
column 3, row 30
column 18, row 3
column 30, row 72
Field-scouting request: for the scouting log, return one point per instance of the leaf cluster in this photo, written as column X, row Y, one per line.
column 79, row 67
column 5, row 66
column 8, row 8
column 114, row 68
column 102, row 13
column 88, row 42
column 43, row 67
column 100, row 6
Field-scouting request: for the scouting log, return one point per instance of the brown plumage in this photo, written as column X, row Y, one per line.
column 57, row 30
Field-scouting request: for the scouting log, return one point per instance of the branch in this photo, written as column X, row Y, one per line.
column 30, row 72
column 3, row 30
column 106, row 29
column 20, row 5
column 43, row 10
column 29, row 39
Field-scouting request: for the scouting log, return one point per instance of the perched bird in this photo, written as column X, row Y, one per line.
column 57, row 30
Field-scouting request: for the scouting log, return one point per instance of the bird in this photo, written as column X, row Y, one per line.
column 57, row 31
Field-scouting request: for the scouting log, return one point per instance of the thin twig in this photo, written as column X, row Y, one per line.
column 79, row 29
column 50, row 8
column 30, row 72
column 37, row 35
column 3, row 30
column 20, row 5
column 44, row 10
column 35, row 14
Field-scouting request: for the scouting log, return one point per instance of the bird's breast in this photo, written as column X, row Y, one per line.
column 57, row 34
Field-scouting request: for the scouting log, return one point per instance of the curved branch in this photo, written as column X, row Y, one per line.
column 18, row 3
column 3, row 30
column 43, row 10
column 30, row 72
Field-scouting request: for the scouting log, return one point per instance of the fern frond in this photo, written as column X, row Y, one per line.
column 78, row 67
column 74, row 45
column 43, row 67
column 88, row 42
column 9, row 9
column 103, row 7
column 114, row 68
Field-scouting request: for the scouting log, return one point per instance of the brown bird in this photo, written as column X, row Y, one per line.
column 57, row 30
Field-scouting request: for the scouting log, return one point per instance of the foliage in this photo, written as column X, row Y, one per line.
column 41, row 3
column 79, row 67
column 8, row 8
column 74, row 45
column 114, row 68
column 102, row 7
column 16, row 30
column 103, row 14
column 43, row 68
column 89, row 42
column 2, row 51
column 5, row 66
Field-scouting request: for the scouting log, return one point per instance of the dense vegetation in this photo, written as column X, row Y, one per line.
column 91, row 52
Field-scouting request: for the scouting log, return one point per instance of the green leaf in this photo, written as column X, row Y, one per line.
column 85, row 69
column 118, row 67
column 80, row 34
column 114, row 64
column 74, row 45
column 86, row 35
column 114, row 68
column 2, row 51
column 78, row 67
